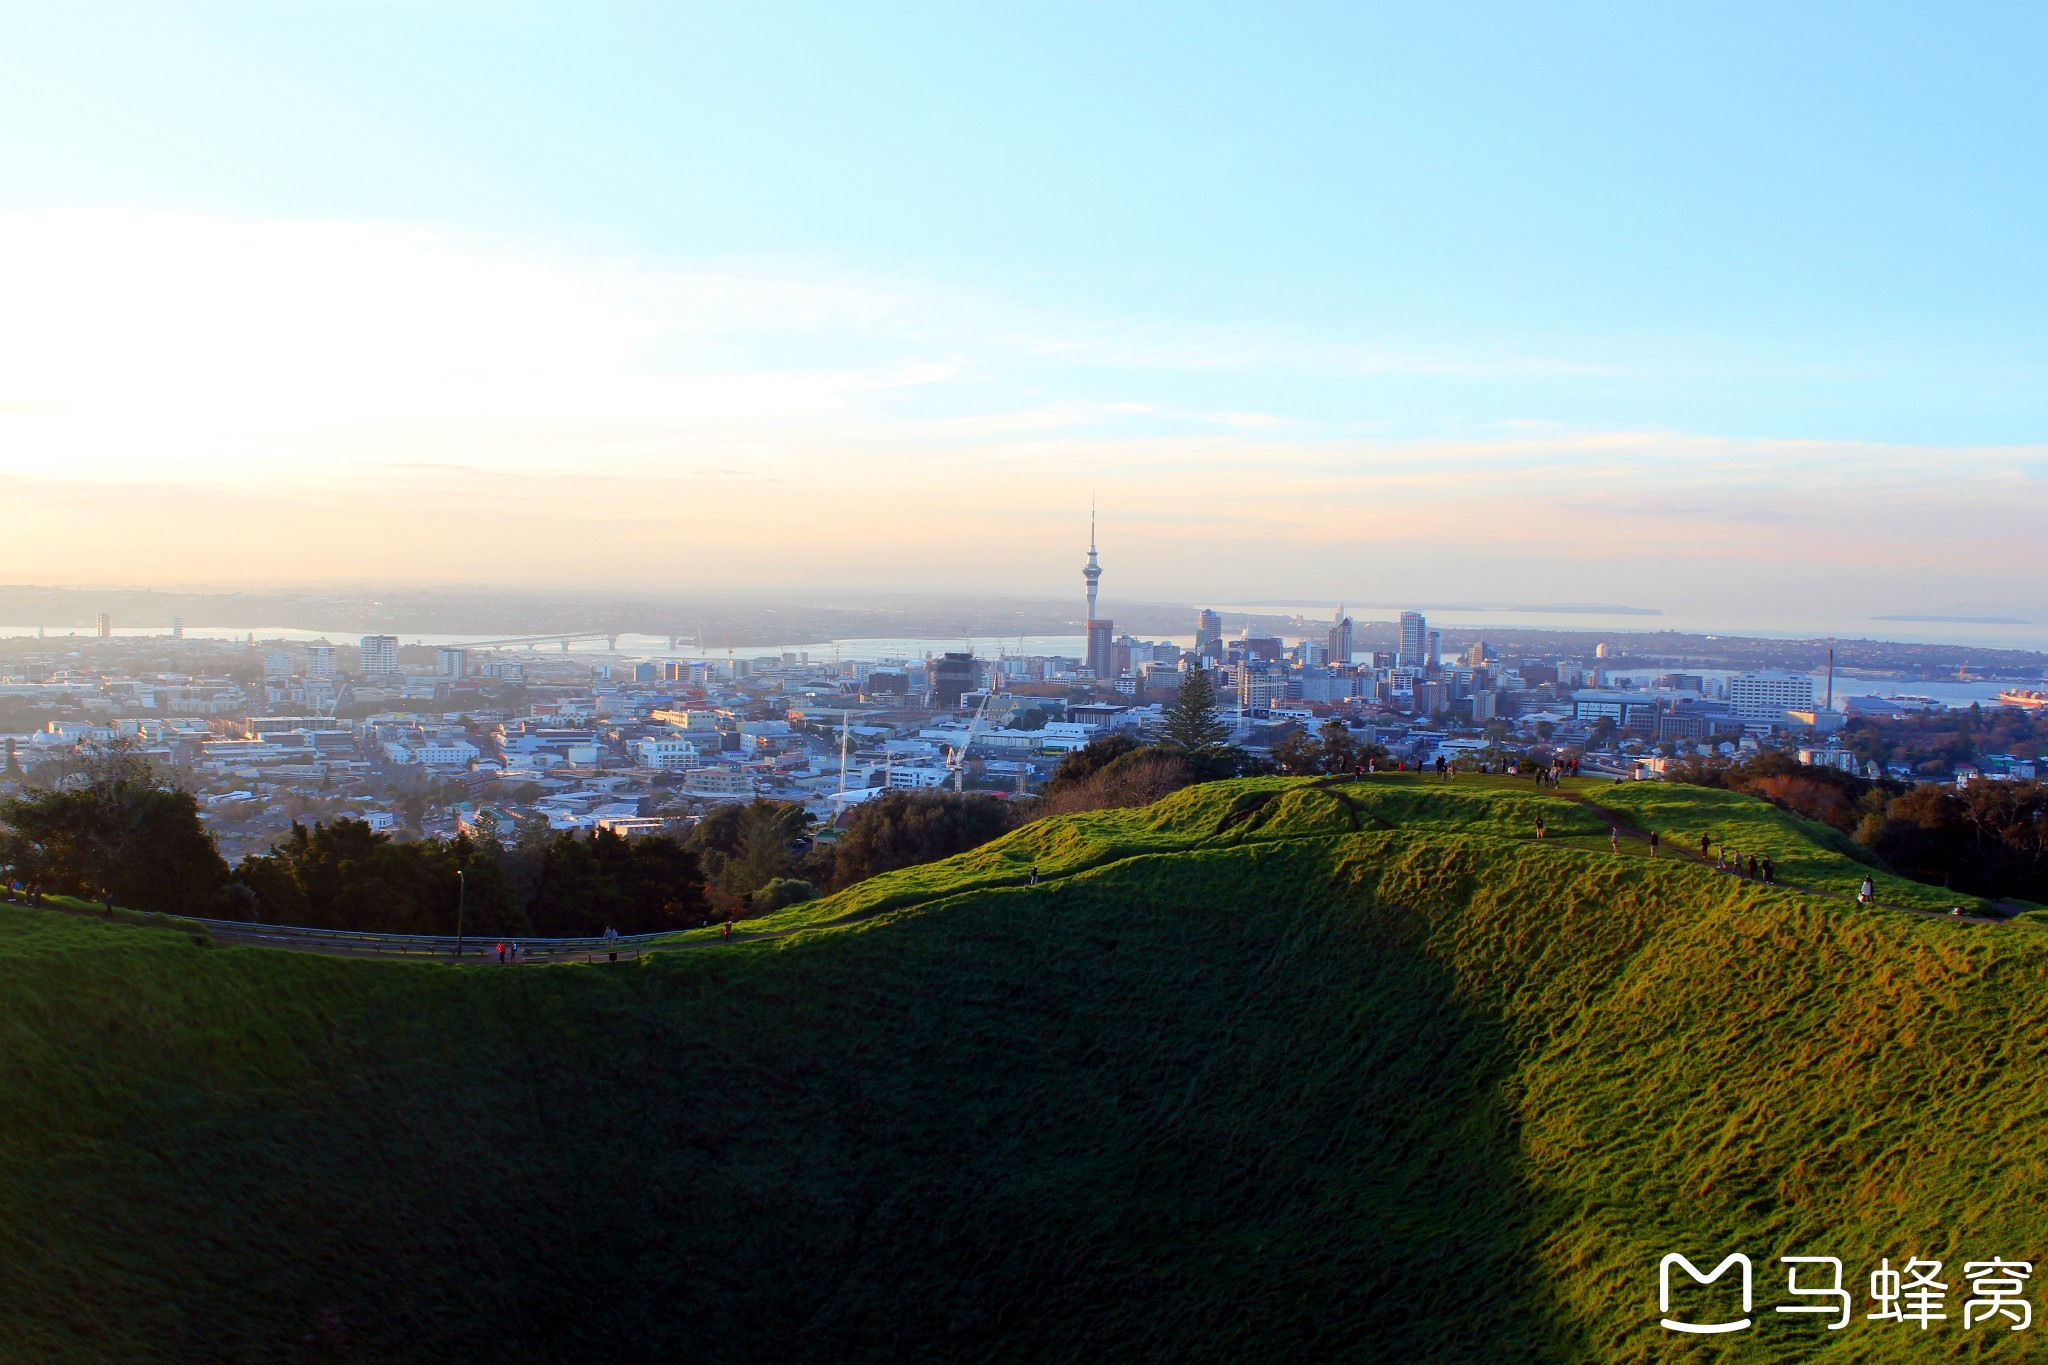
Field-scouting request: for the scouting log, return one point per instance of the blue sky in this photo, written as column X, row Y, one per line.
column 1317, row 292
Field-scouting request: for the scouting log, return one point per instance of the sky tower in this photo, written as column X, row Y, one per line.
column 1092, row 574
column 1100, row 632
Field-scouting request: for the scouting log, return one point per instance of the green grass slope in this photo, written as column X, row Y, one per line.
column 1268, row 1071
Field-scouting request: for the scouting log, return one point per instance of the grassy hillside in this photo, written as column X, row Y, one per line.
column 1268, row 1071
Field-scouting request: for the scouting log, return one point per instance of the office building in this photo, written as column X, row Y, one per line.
column 105, row 626
column 1343, row 636
column 1414, row 639
column 1259, row 685
column 380, row 656
column 454, row 663
column 1209, row 634
column 1764, row 698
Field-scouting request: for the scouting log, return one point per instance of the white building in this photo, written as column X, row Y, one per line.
column 1764, row 698
column 1840, row 759
column 915, row 779
column 718, row 784
column 380, row 656
column 671, row 753
column 320, row 659
column 437, row 754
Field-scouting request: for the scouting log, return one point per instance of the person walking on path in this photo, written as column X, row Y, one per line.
column 1867, row 893
column 1540, row 831
column 1653, row 843
column 1614, row 837
column 725, row 931
column 1752, row 867
column 1770, row 871
column 1034, row 874
column 1706, row 847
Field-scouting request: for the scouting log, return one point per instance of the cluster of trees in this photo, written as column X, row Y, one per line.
column 113, row 832
column 1935, row 743
column 1331, row 750
column 1989, row 839
column 117, row 831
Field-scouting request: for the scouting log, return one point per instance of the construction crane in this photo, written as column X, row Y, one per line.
column 957, row 760
column 840, row 809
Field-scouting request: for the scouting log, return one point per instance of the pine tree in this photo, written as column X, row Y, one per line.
column 1191, row 722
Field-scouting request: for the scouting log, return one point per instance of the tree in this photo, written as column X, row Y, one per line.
column 1079, row 765
column 1191, row 723
column 903, row 829
column 602, row 880
column 1112, row 772
column 743, row 848
column 1298, row 755
column 110, row 826
column 1341, row 753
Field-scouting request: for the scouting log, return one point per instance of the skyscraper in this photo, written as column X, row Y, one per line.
column 1433, row 651
column 105, row 626
column 1414, row 639
column 1341, row 638
column 1100, row 633
column 1209, row 634
column 380, row 656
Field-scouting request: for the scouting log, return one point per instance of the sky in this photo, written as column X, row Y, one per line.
column 1732, row 312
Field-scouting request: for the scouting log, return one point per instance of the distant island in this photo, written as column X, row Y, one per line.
column 1958, row 620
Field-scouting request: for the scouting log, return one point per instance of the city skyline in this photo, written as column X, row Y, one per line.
column 1392, row 320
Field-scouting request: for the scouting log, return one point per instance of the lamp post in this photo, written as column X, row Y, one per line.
column 461, row 900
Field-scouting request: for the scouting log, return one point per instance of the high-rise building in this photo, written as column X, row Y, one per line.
column 1102, row 649
column 320, row 659
column 1100, row 633
column 1414, row 639
column 177, row 627
column 380, row 656
column 1433, row 651
column 105, row 626
column 453, row 662
column 1259, row 685
column 1764, row 698
column 1342, row 638
column 1209, row 634
column 952, row 676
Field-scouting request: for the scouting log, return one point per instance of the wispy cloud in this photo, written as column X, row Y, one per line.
column 188, row 387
